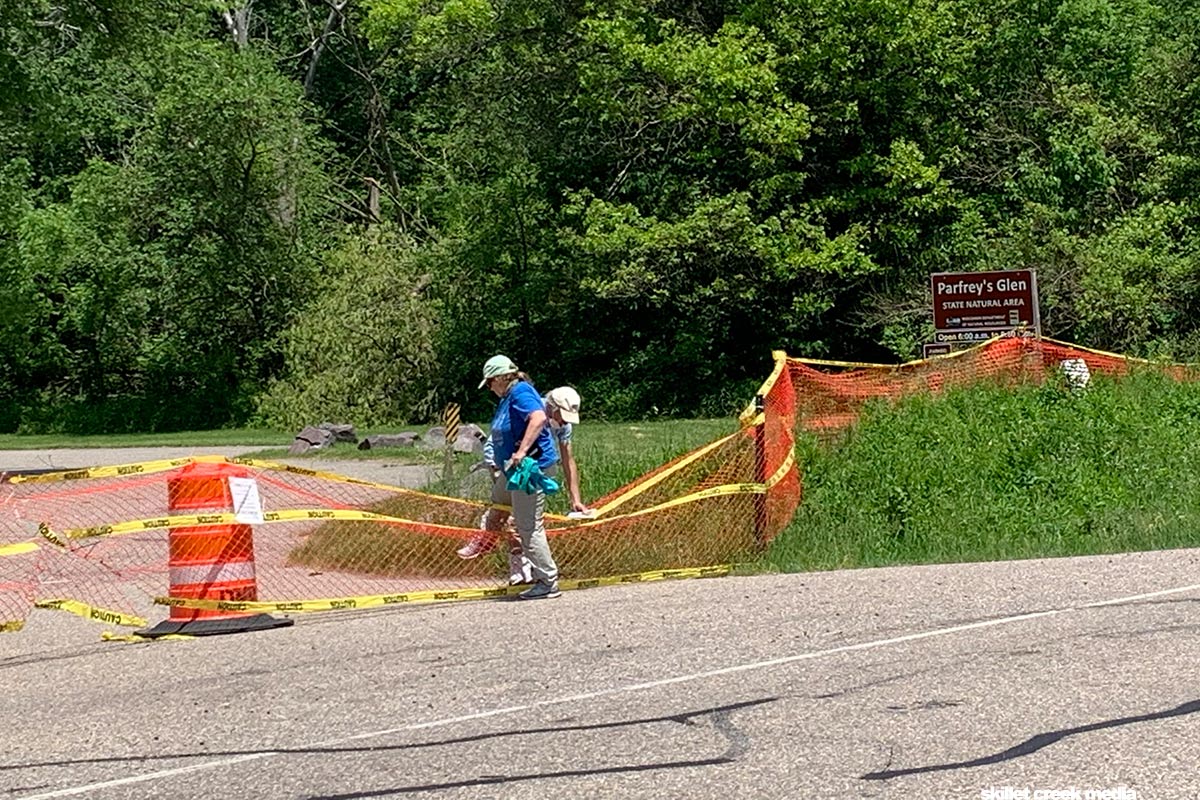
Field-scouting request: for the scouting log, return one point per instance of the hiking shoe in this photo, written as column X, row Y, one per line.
column 520, row 569
column 480, row 543
column 540, row 591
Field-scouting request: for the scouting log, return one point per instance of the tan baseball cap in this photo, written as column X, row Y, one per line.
column 566, row 400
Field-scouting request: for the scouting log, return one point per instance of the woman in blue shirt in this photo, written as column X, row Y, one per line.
column 519, row 430
column 562, row 414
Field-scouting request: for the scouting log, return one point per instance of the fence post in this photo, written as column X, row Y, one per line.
column 760, row 471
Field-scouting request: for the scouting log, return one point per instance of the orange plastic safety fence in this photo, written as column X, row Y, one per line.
column 204, row 538
column 132, row 544
column 830, row 395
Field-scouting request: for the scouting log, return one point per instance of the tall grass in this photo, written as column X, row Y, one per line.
column 991, row 473
column 609, row 455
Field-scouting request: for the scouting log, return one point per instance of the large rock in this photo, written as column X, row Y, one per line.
column 470, row 439
column 311, row 438
column 341, row 433
column 375, row 441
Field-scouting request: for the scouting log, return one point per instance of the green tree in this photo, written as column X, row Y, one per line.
column 167, row 228
column 363, row 349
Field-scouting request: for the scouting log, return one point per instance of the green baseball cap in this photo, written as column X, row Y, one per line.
column 496, row 366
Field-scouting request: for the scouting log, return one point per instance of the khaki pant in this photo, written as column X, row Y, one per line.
column 527, row 511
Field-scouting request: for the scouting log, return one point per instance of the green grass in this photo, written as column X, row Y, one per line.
column 237, row 436
column 991, row 473
column 609, row 454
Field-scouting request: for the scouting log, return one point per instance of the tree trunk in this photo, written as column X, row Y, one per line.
column 237, row 21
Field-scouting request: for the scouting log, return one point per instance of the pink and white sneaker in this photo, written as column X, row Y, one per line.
column 479, row 544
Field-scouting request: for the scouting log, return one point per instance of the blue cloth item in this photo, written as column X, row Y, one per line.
column 510, row 422
column 528, row 477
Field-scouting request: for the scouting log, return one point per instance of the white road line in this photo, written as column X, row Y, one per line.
column 150, row 776
column 633, row 687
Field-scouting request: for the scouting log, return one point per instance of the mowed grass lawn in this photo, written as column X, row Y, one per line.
column 218, row 438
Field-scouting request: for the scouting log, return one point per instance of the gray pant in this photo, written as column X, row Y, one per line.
column 527, row 510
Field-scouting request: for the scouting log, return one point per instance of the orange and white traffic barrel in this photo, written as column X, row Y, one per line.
column 211, row 561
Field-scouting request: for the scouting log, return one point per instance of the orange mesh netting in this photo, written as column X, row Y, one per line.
column 831, row 394
column 213, row 536
column 210, row 536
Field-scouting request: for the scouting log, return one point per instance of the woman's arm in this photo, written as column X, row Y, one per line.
column 571, row 473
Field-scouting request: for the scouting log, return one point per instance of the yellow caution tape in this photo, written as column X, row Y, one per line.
column 716, row 571
column 659, row 478
column 93, row 613
column 431, row 596
column 17, row 549
column 109, row 636
column 333, row 476
column 985, row 343
column 297, row 515
column 152, row 467
column 747, row 418
column 50, row 536
column 704, row 494
column 1134, row 359
column 230, row 518
column 117, row 471
column 783, row 470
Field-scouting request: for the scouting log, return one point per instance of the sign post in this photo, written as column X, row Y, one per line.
column 450, row 421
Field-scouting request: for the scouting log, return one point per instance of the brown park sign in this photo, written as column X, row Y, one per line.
column 969, row 306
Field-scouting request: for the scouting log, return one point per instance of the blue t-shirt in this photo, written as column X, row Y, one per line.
column 561, row 434
column 512, row 419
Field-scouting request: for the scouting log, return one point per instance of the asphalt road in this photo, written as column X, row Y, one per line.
column 1067, row 676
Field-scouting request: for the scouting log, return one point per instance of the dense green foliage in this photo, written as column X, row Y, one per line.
column 281, row 212
column 991, row 473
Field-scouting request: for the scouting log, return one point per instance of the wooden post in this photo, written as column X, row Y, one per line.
column 760, row 471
